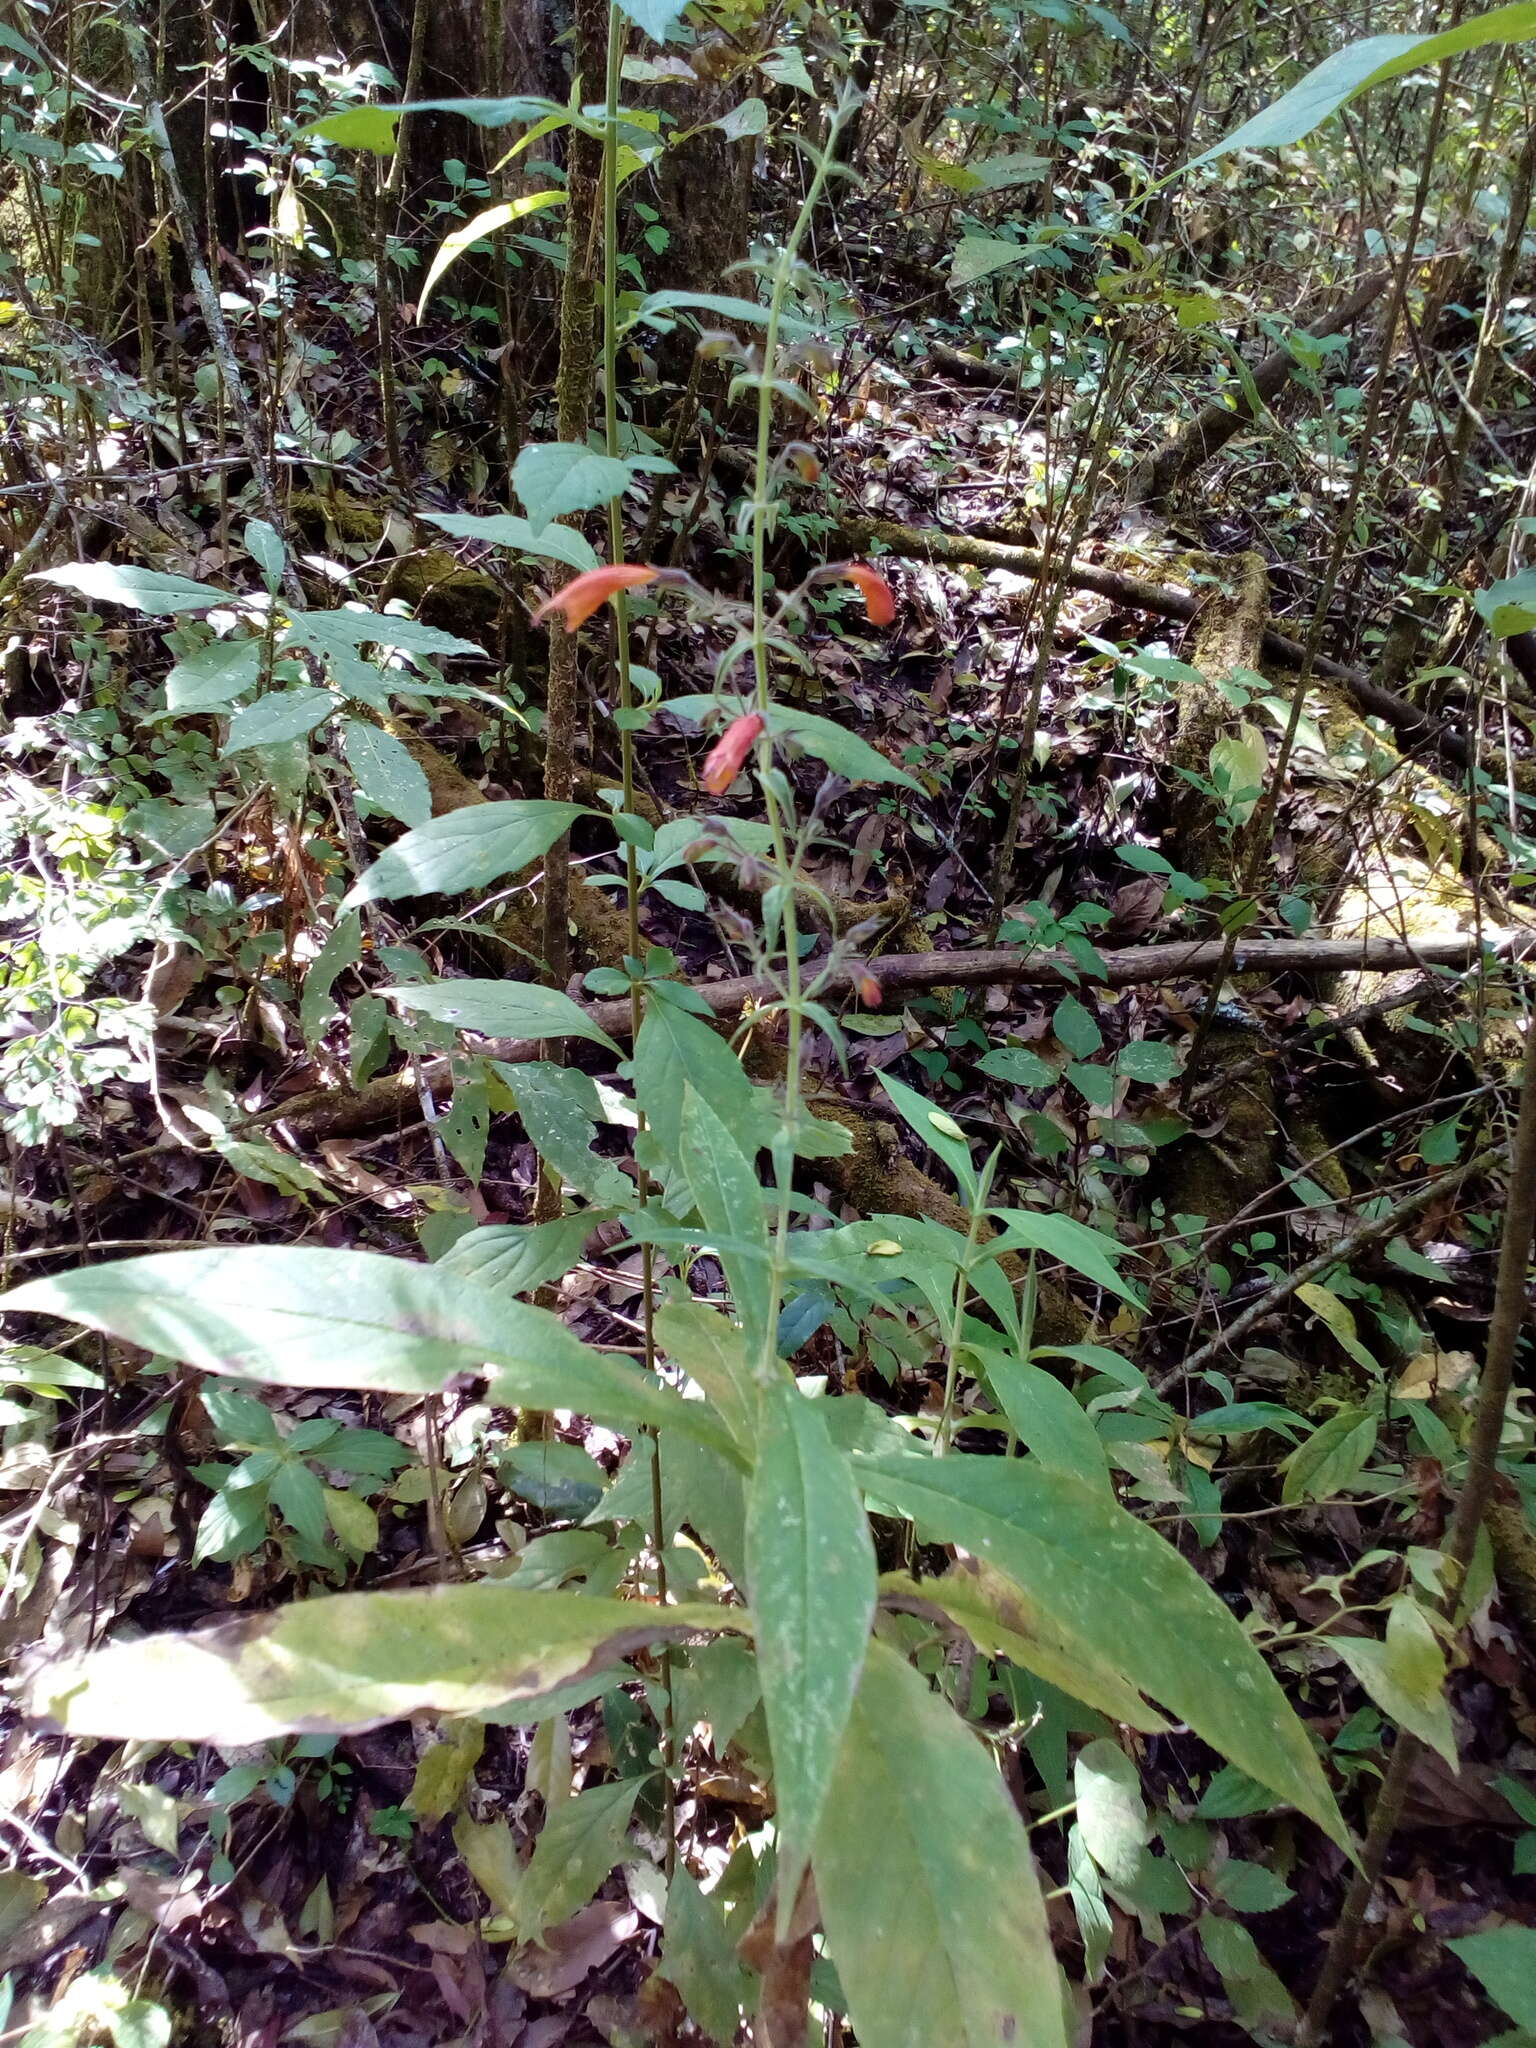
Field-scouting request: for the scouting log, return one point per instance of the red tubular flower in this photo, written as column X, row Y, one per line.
column 879, row 598
column 726, row 757
column 580, row 598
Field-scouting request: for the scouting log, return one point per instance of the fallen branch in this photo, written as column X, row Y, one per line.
column 328, row 1113
column 1221, row 421
column 960, row 550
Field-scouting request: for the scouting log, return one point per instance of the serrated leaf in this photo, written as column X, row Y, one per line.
column 811, row 1570
column 1099, row 1576
column 210, row 677
column 344, row 631
column 928, row 1891
column 350, row 1661
column 1016, row 1064
column 465, row 850
column 374, row 127
column 658, row 18
column 977, row 256
column 558, row 1107
column 501, row 1009
column 1503, row 1960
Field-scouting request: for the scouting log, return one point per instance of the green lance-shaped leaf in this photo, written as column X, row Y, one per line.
column 811, row 1569
column 1357, row 67
column 727, row 1196
column 1101, row 1578
column 350, row 1661
column 499, row 216
column 502, row 1009
column 142, row 590
column 464, row 850
column 303, row 1316
column 927, row 1887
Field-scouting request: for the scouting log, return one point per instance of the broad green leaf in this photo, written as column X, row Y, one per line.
column 279, row 715
column 1016, row 1064
column 1332, row 1458
column 657, row 309
column 1405, row 1675
column 1509, row 606
column 351, row 1661
column 1101, row 1578
column 559, row 1109
column 1357, row 67
column 483, row 224
column 1111, row 1812
column 213, row 676
column 1045, row 1416
column 750, row 118
column 928, row 1891
column 977, row 256
column 581, row 1841
column 1239, row 763
column 728, row 1197
column 374, row 127
column 501, row 1009
column 346, row 630
column 515, row 1258
column 936, row 1128
column 303, row 1316
column 988, row 1606
column 1261, row 2005
column 699, row 1957
column 712, row 1352
column 675, row 1051
column 1503, row 1960
column 511, row 530
column 1077, row 1028
column 388, row 774
column 1089, row 1252
column 554, row 478
column 142, row 590
column 465, row 850
column 811, row 1570
column 343, row 948
column 657, row 17
column 1148, row 1059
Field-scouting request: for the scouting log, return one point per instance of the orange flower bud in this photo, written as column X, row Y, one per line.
column 726, row 757
column 879, row 598
column 580, row 598
column 871, row 994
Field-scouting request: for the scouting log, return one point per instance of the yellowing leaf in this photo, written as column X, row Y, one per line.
column 1328, row 1308
column 475, row 230
column 351, row 1661
column 1405, row 1675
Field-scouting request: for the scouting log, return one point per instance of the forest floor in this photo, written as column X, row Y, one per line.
column 302, row 1897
